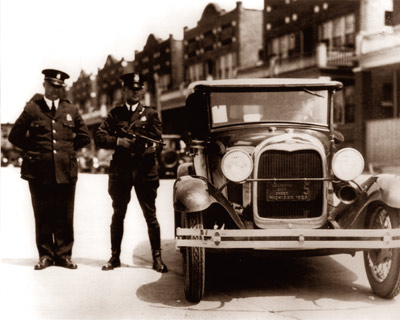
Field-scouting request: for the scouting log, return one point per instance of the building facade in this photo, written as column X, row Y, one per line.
column 352, row 41
column 83, row 92
column 378, row 83
column 161, row 63
column 313, row 39
column 222, row 43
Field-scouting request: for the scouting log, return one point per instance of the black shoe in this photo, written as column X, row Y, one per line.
column 158, row 264
column 44, row 263
column 66, row 263
column 114, row 262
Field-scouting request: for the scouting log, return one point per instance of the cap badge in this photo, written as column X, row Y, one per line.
column 69, row 118
column 136, row 78
column 143, row 118
column 58, row 76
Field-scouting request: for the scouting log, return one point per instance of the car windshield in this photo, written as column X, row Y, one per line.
column 303, row 106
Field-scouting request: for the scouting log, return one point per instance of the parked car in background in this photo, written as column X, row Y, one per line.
column 268, row 174
column 101, row 160
column 4, row 160
column 85, row 160
column 172, row 154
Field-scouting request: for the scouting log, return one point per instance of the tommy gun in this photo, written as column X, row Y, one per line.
column 124, row 133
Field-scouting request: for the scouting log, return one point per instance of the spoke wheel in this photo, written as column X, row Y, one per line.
column 383, row 265
column 193, row 261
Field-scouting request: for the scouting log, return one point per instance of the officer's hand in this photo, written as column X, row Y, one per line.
column 124, row 142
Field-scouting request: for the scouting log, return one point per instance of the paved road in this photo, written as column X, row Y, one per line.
column 333, row 287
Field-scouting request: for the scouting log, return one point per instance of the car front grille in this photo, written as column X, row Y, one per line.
column 284, row 164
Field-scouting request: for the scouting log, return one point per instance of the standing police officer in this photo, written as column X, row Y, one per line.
column 133, row 165
column 49, row 131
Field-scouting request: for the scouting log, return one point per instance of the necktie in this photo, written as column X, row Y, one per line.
column 53, row 108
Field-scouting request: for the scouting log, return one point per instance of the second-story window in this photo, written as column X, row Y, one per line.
column 339, row 32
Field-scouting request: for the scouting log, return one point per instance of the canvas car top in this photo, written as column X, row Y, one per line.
column 267, row 82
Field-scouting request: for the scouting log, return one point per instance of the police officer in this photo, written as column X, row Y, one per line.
column 49, row 131
column 133, row 165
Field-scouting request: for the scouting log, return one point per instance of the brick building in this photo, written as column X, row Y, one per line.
column 219, row 46
column 96, row 95
column 161, row 63
column 312, row 39
column 83, row 92
column 222, row 43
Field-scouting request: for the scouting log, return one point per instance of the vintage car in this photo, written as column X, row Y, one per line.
column 172, row 154
column 268, row 173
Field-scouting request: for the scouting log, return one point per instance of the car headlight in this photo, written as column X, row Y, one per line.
column 347, row 164
column 237, row 165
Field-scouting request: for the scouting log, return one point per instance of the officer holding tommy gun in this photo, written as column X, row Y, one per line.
column 134, row 132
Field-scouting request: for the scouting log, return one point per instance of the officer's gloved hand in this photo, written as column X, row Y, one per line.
column 125, row 142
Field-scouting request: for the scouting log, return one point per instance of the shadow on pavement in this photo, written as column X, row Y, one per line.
column 23, row 262
column 168, row 289
column 233, row 276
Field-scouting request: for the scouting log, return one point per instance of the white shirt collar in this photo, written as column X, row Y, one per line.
column 49, row 102
column 134, row 106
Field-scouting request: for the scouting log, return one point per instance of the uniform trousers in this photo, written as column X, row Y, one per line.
column 53, row 206
column 146, row 192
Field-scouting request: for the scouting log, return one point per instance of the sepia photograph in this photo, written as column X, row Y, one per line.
column 227, row 159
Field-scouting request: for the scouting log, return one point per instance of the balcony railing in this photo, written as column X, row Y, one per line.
column 323, row 57
column 338, row 57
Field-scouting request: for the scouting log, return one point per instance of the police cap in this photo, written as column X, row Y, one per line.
column 132, row 80
column 56, row 77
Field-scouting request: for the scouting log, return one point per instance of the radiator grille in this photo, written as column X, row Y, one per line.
column 284, row 164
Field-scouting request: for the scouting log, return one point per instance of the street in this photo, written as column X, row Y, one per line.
column 329, row 287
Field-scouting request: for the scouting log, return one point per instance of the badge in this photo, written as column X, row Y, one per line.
column 143, row 118
column 69, row 118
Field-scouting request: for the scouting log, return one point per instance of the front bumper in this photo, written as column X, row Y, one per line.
column 288, row 239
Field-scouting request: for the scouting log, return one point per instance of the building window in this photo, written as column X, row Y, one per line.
column 389, row 18
column 344, row 105
column 350, row 27
column 387, row 95
column 338, row 32
column 350, row 105
column 165, row 82
column 227, row 33
column 226, row 65
column 338, row 108
column 208, row 41
column 196, row 72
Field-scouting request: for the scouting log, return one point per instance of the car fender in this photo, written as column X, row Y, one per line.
column 195, row 193
column 378, row 188
column 389, row 187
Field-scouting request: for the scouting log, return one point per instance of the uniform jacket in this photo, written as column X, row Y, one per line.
column 49, row 144
column 140, row 160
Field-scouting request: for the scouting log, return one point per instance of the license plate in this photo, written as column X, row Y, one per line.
column 289, row 191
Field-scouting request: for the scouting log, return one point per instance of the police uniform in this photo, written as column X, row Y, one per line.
column 132, row 167
column 49, row 139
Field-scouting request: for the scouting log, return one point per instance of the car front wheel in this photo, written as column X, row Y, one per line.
column 193, row 261
column 383, row 265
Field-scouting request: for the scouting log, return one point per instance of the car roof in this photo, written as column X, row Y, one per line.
column 266, row 82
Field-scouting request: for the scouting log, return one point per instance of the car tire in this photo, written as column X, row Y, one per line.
column 383, row 265
column 193, row 261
